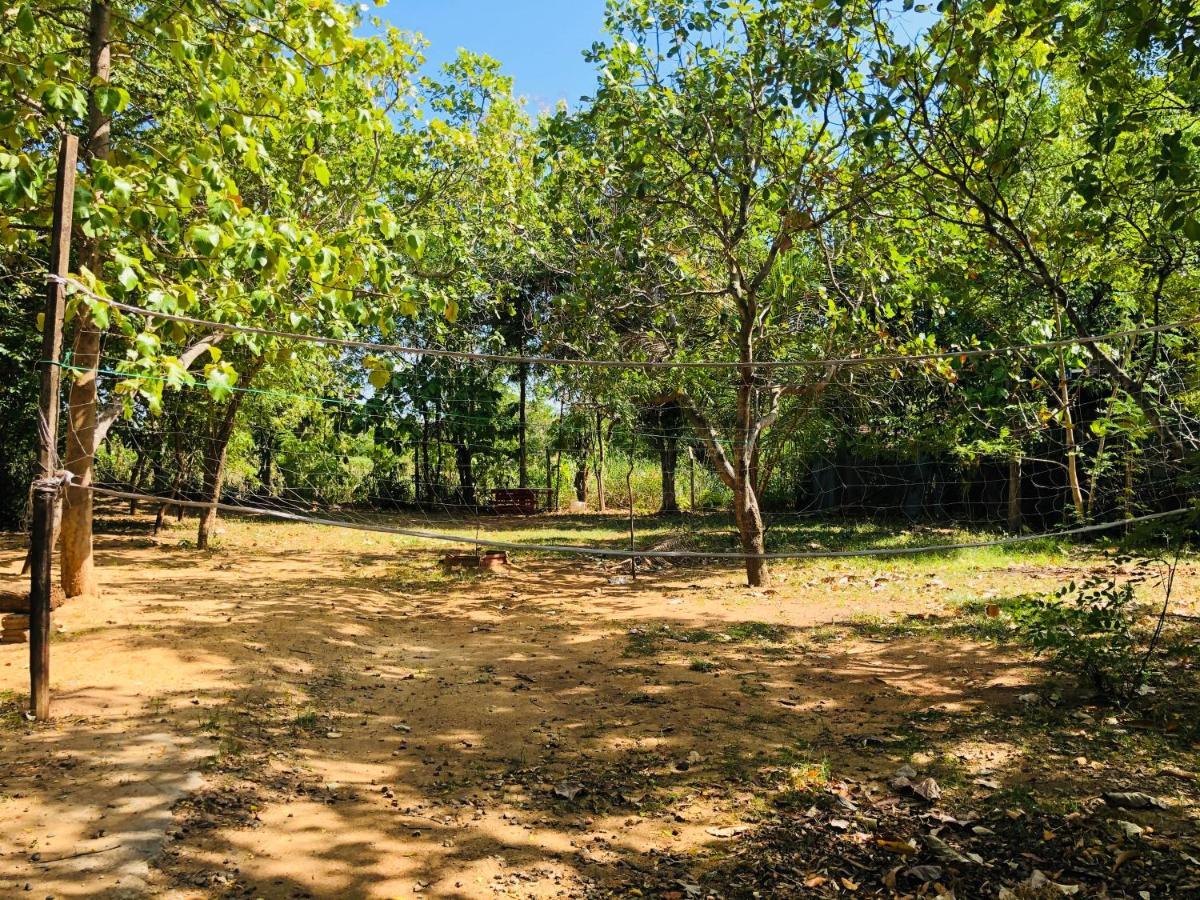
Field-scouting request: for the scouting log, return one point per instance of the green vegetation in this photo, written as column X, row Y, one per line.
column 802, row 195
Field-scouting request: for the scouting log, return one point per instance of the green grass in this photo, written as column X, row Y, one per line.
column 307, row 721
column 653, row 639
column 701, row 532
column 12, row 712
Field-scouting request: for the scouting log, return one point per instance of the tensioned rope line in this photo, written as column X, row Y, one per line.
column 623, row 554
column 971, row 353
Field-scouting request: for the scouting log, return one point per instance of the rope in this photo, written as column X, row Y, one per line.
column 975, row 353
column 627, row 554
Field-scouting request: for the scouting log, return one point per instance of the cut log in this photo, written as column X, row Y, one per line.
column 18, row 601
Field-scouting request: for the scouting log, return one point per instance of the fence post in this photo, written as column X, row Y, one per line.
column 45, row 493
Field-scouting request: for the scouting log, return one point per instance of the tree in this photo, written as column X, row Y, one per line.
column 257, row 164
column 1058, row 134
column 724, row 138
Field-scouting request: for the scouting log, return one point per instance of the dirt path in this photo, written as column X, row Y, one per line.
column 320, row 713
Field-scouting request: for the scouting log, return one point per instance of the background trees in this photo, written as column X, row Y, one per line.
column 770, row 185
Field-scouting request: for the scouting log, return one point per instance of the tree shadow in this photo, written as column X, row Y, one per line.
column 377, row 726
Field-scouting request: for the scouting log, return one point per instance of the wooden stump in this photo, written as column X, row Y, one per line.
column 14, row 605
column 14, row 628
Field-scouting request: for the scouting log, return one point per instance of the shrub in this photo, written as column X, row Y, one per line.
column 1095, row 629
column 1089, row 630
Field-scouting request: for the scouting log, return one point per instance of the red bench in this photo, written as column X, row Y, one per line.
column 516, row 501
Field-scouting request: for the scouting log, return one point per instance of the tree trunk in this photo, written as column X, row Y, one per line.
column 78, row 566
column 1014, row 495
column 214, row 472
column 1068, row 422
column 423, row 491
column 745, row 496
column 466, row 472
column 751, row 532
column 1128, row 492
column 1072, row 458
column 581, row 482
column 691, row 479
column 668, row 457
column 522, row 449
column 601, row 506
column 216, row 446
column 266, row 460
column 215, row 449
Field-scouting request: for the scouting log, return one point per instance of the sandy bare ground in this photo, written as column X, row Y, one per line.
column 321, row 713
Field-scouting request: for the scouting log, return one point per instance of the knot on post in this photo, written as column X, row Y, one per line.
column 55, row 484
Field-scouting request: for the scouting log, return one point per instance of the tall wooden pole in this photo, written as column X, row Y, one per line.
column 45, row 493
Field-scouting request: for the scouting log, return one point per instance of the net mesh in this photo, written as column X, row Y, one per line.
column 855, row 456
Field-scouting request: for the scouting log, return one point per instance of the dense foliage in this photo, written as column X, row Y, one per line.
column 806, row 182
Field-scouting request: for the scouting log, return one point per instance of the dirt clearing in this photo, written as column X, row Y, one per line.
column 311, row 712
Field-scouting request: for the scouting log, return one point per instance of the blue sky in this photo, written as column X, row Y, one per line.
column 539, row 42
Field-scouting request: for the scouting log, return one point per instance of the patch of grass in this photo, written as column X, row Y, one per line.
column 757, row 631
column 879, row 627
column 752, row 688
column 12, row 714
column 307, row 721
column 703, row 665
column 654, row 639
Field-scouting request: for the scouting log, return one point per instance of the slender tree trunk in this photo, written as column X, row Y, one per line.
column 692, row 479
column 466, row 472
column 1014, row 495
column 216, row 446
column 78, row 565
column 581, row 481
column 1128, row 492
column 423, row 491
column 1068, row 422
column 745, row 497
column 266, row 460
column 668, row 458
column 176, row 482
column 1072, row 456
column 601, row 505
column 522, row 449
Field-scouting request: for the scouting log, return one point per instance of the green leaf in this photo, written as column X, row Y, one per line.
column 205, row 238
column 146, row 343
column 380, row 378
column 110, row 99
column 25, row 20
column 127, row 278
column 414, row 244
column 315, row 167
column 220, row 378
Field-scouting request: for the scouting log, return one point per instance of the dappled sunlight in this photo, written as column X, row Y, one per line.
column 325, row 735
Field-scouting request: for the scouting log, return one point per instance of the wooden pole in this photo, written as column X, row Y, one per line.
column 45, row 492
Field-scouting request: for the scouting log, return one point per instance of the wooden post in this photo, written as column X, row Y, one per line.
column 1014, row 495
column 45, row 492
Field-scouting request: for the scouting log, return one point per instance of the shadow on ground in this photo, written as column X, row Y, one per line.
column 306, row 714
